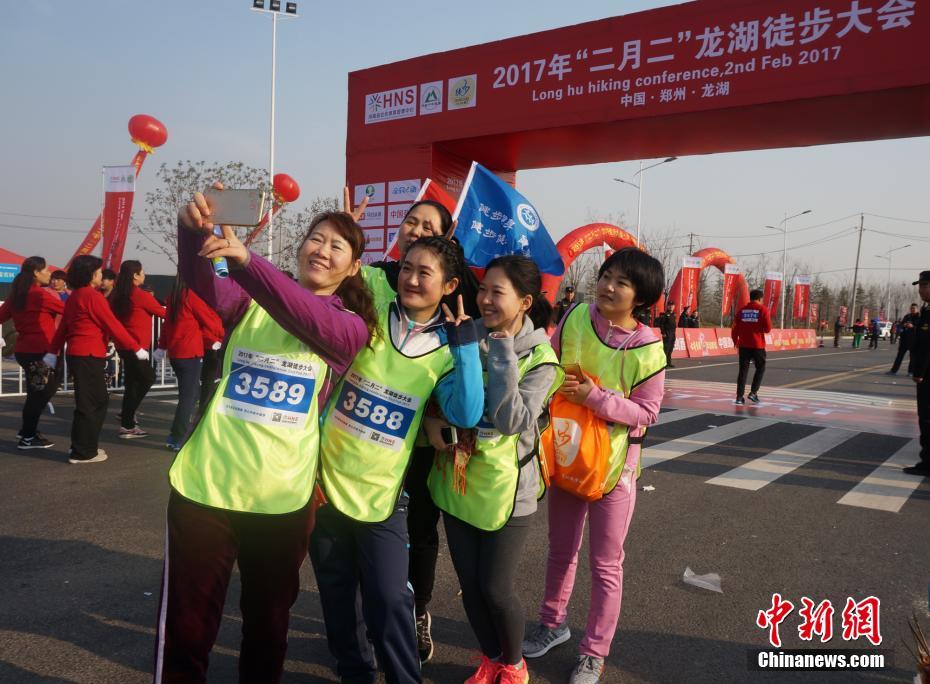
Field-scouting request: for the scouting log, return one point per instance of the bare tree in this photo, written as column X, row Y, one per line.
column 158, row 233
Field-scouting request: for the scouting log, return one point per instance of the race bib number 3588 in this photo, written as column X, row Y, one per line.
column 374, row 413
column 267, row 389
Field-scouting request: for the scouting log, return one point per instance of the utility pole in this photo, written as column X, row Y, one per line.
column 852, row 311
column 691, row 244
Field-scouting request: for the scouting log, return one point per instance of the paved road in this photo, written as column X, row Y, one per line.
column 788, row 504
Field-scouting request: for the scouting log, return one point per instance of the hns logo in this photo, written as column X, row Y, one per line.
column 399, row 103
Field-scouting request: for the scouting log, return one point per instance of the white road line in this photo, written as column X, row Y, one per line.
column 887, row 488
column 667, row 417
column 770, row 359
column 759, row 472
column 674, row 448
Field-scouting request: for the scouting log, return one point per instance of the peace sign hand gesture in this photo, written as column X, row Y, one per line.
column 347, row 205
column 460, row 318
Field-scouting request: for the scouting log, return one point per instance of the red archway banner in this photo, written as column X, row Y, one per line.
column 582, row 239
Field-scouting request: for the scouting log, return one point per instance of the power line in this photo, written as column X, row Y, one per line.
column 830, row 238
column 61, row 218
column 894, row 218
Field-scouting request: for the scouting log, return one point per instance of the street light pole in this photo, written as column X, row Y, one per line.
column 887, row 256
column 783, row 227
column 274, row 10
column 639, row 188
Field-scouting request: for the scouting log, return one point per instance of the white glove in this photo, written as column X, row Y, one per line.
column 50, row 360
column 142, row 355
column 216, row 346
column 159, row 355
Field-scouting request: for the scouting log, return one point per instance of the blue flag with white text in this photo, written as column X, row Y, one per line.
column 494, row 220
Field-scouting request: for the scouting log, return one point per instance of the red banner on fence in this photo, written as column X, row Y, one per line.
column 701, row 342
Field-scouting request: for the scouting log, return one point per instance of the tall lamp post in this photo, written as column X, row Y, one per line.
column 639, row 188
column 887, row 257
column 274, row 9
column 783, row 227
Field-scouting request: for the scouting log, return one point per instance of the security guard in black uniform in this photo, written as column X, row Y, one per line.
column 920, row 356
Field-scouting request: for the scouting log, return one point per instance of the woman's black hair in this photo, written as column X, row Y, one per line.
column 643, row 271
column 445, row 218
column 449, row 254
column 24, row 281
column 82, row 269
column 524, row 275
column 121, row 297
column 176, row 297
column 353, row 291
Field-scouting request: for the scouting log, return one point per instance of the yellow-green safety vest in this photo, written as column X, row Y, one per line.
column 381, row 291
column 493, row 471
column 620, row 370
column 372, row 421
column 256, row 449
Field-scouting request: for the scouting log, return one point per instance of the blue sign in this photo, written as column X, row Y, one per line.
column 374, row 412
column 8, row 272
column 270, row 389
column 495, row 220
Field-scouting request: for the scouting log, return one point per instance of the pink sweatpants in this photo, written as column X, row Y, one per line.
column 610, row 519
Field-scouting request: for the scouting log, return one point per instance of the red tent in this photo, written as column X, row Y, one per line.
column 8, row 257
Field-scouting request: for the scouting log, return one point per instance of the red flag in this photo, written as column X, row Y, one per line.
column 690, row 282
column 119, row 185
column 844, row 315
column 731, row 274
column 772, row 292
column 802, row 297
column 815, row 312
column 430, row 190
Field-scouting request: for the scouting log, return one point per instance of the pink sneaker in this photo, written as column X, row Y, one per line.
column 514, row 674
column 486, row 672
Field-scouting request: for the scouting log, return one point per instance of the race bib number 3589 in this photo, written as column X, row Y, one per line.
column 267, row 389
column 374, row 413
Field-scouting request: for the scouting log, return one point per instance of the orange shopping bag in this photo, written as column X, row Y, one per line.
column 576, row 449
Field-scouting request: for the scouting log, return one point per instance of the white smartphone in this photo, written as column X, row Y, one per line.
column 236, row 207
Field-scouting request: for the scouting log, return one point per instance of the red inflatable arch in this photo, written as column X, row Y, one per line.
column 582, row 239
column 710, row 256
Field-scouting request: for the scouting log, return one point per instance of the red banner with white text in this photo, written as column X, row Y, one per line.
column 731, row 274
column 771, row 293
column 801, row 297
column 689, row 284
column 119, row 186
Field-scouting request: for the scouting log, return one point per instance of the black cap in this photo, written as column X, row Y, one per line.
column 924, row 275
column 572, row 289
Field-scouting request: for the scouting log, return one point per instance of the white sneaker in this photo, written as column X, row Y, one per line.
column 101, row 456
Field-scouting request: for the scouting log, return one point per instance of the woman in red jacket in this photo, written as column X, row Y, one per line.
column 85, row 326
column 189, row 322
column 33, row 308
column 134, row 307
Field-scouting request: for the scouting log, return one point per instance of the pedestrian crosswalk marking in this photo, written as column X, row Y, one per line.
column 762, row 471
column 674, row 448
column 674, row 415
column 887, row 488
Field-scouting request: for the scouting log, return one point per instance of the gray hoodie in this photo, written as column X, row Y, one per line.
column 514, row 405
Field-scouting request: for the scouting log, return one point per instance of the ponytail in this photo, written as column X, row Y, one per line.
column 24, row 281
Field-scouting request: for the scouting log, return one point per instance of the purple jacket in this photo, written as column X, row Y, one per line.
column 320, row 322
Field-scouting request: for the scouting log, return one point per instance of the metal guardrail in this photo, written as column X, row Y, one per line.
column 13, row 380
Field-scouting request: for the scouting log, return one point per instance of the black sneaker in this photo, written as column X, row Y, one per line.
column 753, row 397
column 37, row 442
column 739, row 401
column 918, row 469
column 424, row 638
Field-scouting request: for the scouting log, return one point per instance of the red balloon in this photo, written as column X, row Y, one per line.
column 147, row 131
column 285, row 187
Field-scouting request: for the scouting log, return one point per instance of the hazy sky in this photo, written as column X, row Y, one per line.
column 74, row 73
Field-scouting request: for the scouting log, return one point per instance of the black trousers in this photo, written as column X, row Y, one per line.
column 904, row 346
column 90, row 404
column 486, row 564
column 211, row 359
column 187, row 372
column 668, row 343
column 202, row 545
column 422, row 527
column 361, row 571
column 138, row 377
column 923, row 419
column 747, row 356
column 36, row 401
